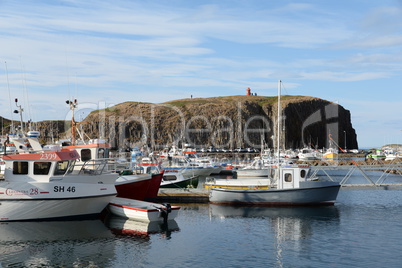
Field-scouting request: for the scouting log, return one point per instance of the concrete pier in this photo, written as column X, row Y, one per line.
column 182, row 195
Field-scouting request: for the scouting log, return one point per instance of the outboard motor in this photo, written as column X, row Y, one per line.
column 168, row 207
column 165, row 210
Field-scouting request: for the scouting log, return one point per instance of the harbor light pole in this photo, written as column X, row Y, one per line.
column 19, row 111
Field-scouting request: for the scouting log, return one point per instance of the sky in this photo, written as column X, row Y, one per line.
column 107, row 52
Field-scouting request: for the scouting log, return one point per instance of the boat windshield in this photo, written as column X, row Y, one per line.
column 20, row 167
column 71, row 167
column 61, row 167
column 42, row 168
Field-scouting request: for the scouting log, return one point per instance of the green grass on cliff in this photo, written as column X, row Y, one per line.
column 181, row 103
column 260, row 100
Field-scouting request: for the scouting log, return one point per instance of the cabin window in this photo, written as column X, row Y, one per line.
column 179, row 161
column 169, row 178
column 42, row 168
column 103, row 153
column 61, row 168
column 85, row 155
column 20, row 168
column 302, row 173
column 288, row 177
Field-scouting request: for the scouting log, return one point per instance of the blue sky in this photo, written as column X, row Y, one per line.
column 108, row 52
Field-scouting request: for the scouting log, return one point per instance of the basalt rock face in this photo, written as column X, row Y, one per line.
column 224, row 122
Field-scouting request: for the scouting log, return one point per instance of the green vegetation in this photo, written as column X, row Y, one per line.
column 182, row 103
column 260, row 100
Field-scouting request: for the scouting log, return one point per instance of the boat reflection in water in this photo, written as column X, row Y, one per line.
column 324, row 212
column 291, row 226
column 126, row 227
column 55, row 244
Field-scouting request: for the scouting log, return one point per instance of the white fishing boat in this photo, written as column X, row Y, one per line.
column 176, row 179
column 207, row 162
column 261, row 167
column 308, row 154
column 256, row 182
column 392, row 154
column 142, row 210
column 288, row 187
column 257, row 168
column 187, row 162
column 288, row 190
column 44, row 185
column 377, row 155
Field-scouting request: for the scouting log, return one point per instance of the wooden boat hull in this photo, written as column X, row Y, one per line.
column 141, row 210
column 309, row 193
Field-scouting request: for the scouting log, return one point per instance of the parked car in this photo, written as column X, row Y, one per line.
column 211, row 150
column 240, row 150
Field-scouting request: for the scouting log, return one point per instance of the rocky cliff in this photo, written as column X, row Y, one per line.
column 221, row 122
column 224, row 122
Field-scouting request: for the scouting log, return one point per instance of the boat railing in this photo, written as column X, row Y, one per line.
column 92, row 167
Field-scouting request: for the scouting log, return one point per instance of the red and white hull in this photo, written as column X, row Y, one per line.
column 141, row 210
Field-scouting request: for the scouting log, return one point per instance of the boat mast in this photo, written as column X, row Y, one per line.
column 279, row 121
column 12, row 130
column 279, row 183
column 73, row 105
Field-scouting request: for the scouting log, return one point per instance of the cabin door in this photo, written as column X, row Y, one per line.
column 288, row 178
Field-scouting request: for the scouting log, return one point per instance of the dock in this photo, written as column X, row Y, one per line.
column 182, row 195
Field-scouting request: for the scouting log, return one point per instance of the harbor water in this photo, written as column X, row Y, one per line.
column 363, row 229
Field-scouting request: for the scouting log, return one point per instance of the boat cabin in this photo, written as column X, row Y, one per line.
column 39, row 166
column 290, row 177
column 92, row 151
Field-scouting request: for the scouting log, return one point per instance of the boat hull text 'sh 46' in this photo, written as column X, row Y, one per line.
column 46, row 185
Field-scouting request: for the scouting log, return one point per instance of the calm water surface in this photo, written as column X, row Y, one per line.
column 363, row 229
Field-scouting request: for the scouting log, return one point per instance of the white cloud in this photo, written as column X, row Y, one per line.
column 156, row 51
